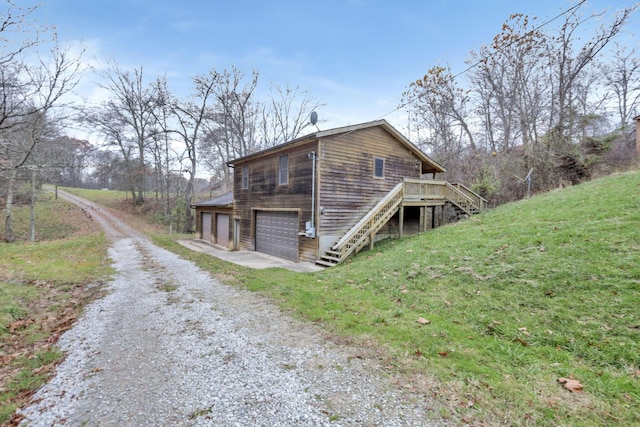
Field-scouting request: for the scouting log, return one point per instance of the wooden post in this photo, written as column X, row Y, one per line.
column 423, row 217
column 372, row 236
column 401, row 220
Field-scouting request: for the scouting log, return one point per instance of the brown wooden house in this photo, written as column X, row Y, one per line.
column 326, row 195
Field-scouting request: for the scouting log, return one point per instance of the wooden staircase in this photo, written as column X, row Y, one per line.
column 464, row 200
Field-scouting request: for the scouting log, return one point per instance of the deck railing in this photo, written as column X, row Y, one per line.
column 461, row 196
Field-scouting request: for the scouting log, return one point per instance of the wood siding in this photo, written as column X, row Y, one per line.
column 348, row 188
column 264, row 193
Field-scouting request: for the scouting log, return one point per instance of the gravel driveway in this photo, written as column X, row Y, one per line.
column 171, row 346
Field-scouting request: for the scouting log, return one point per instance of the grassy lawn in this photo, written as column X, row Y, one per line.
column 43, row 287
column 509, row 302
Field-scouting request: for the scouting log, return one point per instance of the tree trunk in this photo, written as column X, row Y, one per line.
column 8, row 226
column 188, row 196
column 32, row 208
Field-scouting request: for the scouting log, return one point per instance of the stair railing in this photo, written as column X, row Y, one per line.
column 479, row 201
column 370, row 223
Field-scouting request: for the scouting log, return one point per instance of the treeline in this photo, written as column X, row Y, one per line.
column 554, row 98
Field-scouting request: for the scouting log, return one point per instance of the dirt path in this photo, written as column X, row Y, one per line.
column 171, row 346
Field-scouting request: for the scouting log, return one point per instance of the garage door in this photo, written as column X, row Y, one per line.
column 277, row 234
column 222, row 229
column 206, row 226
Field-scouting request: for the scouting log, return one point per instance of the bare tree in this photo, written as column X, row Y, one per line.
column 622, row 78
column 508, row 82
column 29, row 91
column 567, row 61
column 192, row 116
column 233, row 128
column 286, row 114
column 440, row 107
column 128, row 120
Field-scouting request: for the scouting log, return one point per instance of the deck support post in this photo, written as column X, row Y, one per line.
column 401, row 220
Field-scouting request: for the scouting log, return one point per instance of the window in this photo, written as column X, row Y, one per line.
column 245, row 177
column 378, row 167
column 283, row 170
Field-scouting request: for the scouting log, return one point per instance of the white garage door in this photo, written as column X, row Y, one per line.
column 222, row 229
column 206, row 226
column 277, row 234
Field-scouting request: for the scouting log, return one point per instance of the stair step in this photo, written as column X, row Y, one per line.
column 334, row 260
column 332, row 256
column 326, row 263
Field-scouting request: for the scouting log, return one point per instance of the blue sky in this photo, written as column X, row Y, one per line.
column 357, row 56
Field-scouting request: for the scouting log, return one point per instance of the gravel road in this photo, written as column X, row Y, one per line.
column 171, row 346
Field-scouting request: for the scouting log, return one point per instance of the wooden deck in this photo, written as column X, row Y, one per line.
column 410, row 192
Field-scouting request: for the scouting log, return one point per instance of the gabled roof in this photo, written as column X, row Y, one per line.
column 426, row 160
column 226, row 200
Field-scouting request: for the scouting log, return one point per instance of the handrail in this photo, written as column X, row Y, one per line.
column 354, row 235
column 481, row 201
column 456, row 196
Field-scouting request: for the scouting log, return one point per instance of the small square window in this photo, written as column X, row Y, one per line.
column 245, row 177
column 378, row 167
column 283, row 170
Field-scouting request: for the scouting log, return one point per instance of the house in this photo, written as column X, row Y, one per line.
column 324, row 196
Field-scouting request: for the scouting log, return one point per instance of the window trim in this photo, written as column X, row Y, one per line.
column 245, row 177
column 375, row 170
column 283, row 171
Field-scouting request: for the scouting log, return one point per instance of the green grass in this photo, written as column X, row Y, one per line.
column 517, row 298
column 46, row 208
column 43, row 287
column 109, row 198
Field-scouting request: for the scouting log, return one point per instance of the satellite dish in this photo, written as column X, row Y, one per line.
column 314, row 118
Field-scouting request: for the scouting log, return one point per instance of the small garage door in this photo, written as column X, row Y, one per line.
column 222, row 229
column 277, row 234
column 206, row 226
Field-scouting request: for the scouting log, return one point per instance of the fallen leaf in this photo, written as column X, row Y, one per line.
column 447, row 303
column 443, row 353
column 524, row 331
column 570, row 384
column 521, row 341
column 423, row 321
column 409, row 251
